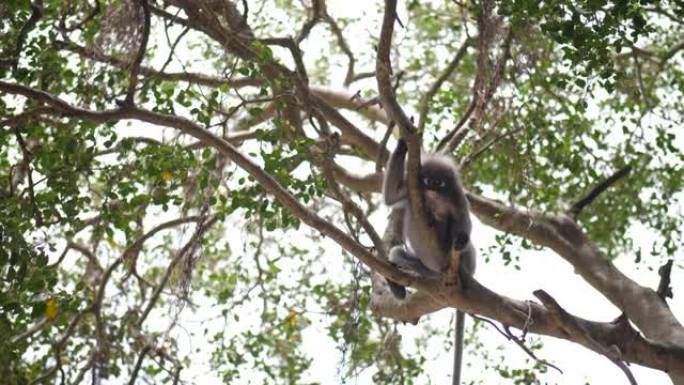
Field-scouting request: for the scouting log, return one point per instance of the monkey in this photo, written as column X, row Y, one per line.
column 448, row 215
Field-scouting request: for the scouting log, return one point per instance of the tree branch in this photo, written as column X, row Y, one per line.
column 36, row 14
column 576, row 330
column 265, row 180
column 383, row 72
column 664, row 289
column 424, row 106
column 135, row 67
column 597, row 190
column 478, row 299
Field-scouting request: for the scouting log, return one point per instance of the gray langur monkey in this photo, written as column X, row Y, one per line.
column 448, row 215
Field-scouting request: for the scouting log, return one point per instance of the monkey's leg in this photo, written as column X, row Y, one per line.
column 406, row 261
column 396, row 256
column 468, row 264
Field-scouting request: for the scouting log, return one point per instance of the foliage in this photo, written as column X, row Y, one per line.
column 84, row 288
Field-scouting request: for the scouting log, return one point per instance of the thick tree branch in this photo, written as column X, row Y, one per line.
column 383, row 74
column 576, row 330
column 350, row 133
column 138, row 364
column 560, row 233
column 351, row 102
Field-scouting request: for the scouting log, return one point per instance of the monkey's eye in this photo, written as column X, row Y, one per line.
column 433, row 183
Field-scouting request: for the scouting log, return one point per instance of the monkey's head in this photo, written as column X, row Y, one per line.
column 439, row 174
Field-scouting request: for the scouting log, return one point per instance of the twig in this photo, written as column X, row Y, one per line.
column 317, row 11
column 190, row 77
column 482, row 92
column 473, row 156
column 597, row 190
column 138, row 364
column 446, row 74
column 332, row 142
column 130, row 254
column 245, row 12
column 342, row 42
column 45, row 376
column 135, row 67
column 94, row 12
column 664, row 289
column 30, row 331
column 172, row 51
column 454, row 138
column 380, row 160
column 189, row 246
column 36, row 14
column 520, row 341
column 168, row 16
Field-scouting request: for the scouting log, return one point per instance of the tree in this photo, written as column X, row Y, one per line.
column 144, row 143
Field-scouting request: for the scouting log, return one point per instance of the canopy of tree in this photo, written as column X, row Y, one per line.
column 166, row 156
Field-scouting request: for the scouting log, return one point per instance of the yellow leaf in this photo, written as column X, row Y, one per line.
column 166, row 176
column 51, row 309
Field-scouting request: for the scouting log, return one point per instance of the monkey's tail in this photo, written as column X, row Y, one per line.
column 458, row 346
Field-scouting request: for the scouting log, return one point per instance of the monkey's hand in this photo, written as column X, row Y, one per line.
column 461, row 240
column 401, row 145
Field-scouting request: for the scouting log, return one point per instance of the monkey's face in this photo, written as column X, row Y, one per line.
column 437, row 181
column 439, row 208
column 436, row 184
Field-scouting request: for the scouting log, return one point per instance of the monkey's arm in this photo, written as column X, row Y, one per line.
column 394, row 186
column 461, row 264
